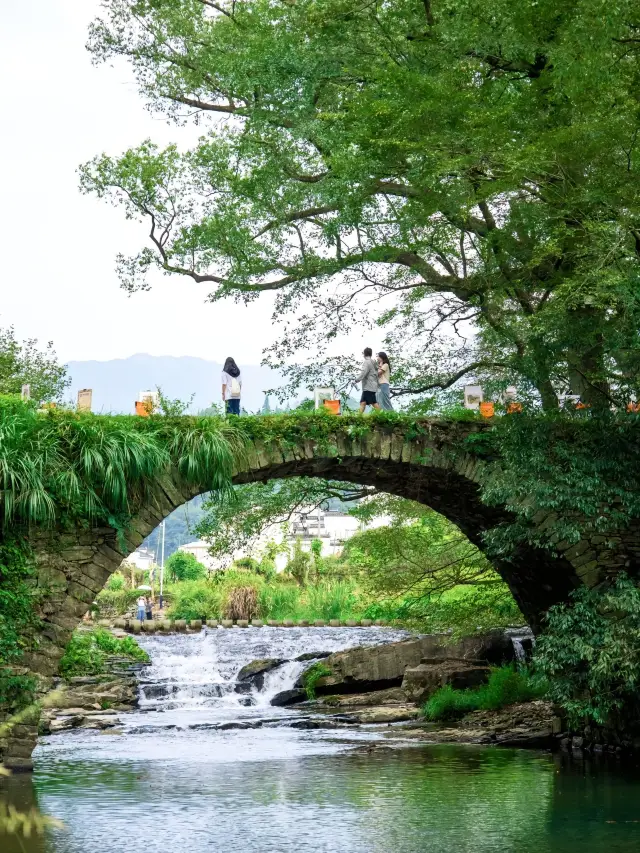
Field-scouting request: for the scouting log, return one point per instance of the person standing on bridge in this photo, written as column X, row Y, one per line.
column 384, row 375
column 369, row 378
column 141, row 608
column 231, row 387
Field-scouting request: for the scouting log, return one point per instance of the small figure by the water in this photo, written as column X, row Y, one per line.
column 384, row 376
column 369, row 378
column 231, row 387
column 149, row 607
column 141, row 608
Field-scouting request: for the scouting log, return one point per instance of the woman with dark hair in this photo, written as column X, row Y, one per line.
column 231, row 386
column 384, row 375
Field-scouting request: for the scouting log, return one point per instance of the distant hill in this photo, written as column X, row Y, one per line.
column 117, row 383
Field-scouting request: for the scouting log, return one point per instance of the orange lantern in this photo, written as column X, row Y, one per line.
column 512, row 408
column 487, row 410
column 332, row 406
column 142, row 408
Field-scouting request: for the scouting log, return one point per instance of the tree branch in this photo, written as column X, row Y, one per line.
column 447, row 383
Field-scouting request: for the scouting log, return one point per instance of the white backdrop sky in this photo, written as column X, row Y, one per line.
column 58, row 247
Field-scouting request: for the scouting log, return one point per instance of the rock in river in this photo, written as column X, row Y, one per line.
column 288, row 697
column 253, row 673
column 431, row 674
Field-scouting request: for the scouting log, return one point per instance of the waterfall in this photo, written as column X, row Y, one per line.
column 198, row 672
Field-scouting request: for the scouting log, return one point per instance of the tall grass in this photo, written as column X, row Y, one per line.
column 276, row 599
column 506, row 686
column 92, row 466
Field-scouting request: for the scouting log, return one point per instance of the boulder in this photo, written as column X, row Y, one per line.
column 227, row 623
column 257, row 623
column 431, row 674
column 242, row 623
column 212, row 623
column 63, row 724
column 393, row 696
column 399, row 714
column 180, row 625
column 367, row 668
column 312, row 656
column 253, row 673
column 196, row 624
column 288, row 697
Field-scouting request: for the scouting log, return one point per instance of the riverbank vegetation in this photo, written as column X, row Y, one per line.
column 89, row 650
column 506, row 686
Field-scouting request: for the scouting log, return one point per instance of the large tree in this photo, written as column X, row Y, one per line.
column 463, row 173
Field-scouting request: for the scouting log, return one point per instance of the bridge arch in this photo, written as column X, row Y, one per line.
column 433, row 465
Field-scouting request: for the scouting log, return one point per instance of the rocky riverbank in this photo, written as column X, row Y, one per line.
column 388, row 684
column 92, row 701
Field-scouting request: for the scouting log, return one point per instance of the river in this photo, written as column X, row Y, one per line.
column 180, row 775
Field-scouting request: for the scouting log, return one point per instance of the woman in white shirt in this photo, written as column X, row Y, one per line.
column 231, row 386
column 384, row 375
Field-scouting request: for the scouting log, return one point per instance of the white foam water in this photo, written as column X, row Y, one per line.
column 199, row 671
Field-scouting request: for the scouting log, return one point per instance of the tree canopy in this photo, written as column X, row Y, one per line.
column 24, row 363
column 462, row 174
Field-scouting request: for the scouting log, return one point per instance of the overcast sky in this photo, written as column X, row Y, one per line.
column 59, row 247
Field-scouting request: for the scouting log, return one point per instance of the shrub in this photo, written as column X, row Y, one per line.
column 87, row 652
column 590, row 654
column 449, row 704
column 115, row 582
column 115, row 602
column 506, row 686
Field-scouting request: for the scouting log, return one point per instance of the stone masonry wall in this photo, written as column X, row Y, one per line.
column 433, row 469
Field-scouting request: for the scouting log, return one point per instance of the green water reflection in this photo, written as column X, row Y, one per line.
column 443, row 799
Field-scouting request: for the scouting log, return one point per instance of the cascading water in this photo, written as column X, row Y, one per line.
column 192, row 679
column 523, row 641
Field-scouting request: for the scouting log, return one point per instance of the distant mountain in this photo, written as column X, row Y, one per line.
column 117, row 383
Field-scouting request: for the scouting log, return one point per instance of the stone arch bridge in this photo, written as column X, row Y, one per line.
column 433, row 465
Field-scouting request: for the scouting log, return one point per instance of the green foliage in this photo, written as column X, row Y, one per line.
column 583, row 468
column 82, row 466
column 116, row 602
column 506, row 686
column 18, row 621
column 279, row 598
column 183, row 566
column 87, row 651
column 465, row 610
column 589, row 652
column 25, row 364
column 402, row 164
column 116, row 582
column 299, row 564
column 312, row 676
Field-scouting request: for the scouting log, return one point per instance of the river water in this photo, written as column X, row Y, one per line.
column 180, row 774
